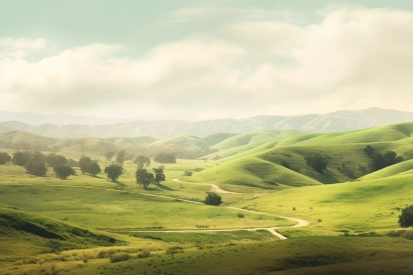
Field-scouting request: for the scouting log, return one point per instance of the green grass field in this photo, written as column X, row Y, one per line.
column 352, row 211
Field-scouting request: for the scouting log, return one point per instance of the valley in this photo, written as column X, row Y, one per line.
column 278, row 215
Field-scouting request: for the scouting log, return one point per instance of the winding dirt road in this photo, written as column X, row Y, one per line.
column 272, row 230
column 215, row 188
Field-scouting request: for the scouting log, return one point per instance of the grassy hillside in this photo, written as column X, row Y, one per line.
column 27, row 234
column 347, row 161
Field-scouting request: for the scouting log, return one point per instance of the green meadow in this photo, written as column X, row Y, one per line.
column 90, row 225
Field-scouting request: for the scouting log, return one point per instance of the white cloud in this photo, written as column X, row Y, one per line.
column 355, row 58
column 19, row 48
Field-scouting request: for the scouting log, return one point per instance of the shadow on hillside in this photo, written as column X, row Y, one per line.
column 326, row 179
column 99, row 177
column 163, row 187
column 120, row 184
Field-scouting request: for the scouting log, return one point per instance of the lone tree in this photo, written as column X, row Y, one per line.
column 84, row 163
column 142, row 161
column 4, row 158
column 159, row 175
column 213, row 198
column 144, row 177
column 120, row 157
column 94, row 168
column 113, row 171
column 63, row 171
column 406, row 218
column 317, row 162
column 21, row 158
column 36, row 168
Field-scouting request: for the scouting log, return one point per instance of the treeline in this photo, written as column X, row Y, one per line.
column 36, row 163
column 381, row 160
column 151, row 152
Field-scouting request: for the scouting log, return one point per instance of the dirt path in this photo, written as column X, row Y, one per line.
column 215, row 188
column 272, row 230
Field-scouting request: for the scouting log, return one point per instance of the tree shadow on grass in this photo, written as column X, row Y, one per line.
column 99, row 177
column 165, row 187
column 326, row 179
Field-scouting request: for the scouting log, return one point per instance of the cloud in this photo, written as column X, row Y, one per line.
column 19, row 48
column 355, row 58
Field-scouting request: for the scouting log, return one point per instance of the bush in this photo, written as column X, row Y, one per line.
column 406, row 217
column 240, row 215
column 144, row 254
column 188, row 173
column 213, row 198
column 119, row 257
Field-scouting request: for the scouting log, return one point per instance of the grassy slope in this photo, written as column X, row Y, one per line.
column 27, row 234
column 347, row 161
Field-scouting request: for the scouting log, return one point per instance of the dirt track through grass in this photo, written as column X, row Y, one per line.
column 272, row 230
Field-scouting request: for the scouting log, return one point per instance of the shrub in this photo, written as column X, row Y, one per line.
column 119, row 257
column 213, row 198
column 144, row 254
column 240, row 215
column 406, row 217
column 188, row 173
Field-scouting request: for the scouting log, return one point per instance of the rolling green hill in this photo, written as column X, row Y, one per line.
column 26, row 234
column 346, row 159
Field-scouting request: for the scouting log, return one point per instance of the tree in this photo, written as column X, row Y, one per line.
column 94, row 168
column 165, row 158
column 142, row 161
column 84, row 163
column 63, row 171
column 37, row 157
column 406, row 218
column 109, row 155
column 159, row 175
column 113, row 171
column 144, row 177
column 120, row 157
column 369, row 150
column 21, row 158
column 317, row 162
column 213, row 198
column 55, row 160
column 4, row 158
column 380, row 161
column 36, row 168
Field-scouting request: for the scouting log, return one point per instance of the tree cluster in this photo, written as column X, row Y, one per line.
column 87, row 165
column 317, row 162
column 381, row 160
column 144, row 178
column 165, row 158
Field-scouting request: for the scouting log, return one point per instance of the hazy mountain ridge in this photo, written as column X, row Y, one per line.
column 339, row 121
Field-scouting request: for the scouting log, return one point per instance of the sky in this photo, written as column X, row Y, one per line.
column 204, row 59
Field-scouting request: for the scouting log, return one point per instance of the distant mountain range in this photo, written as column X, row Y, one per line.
column 332, row 122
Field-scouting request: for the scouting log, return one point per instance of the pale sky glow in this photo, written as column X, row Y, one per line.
column 205, row 58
